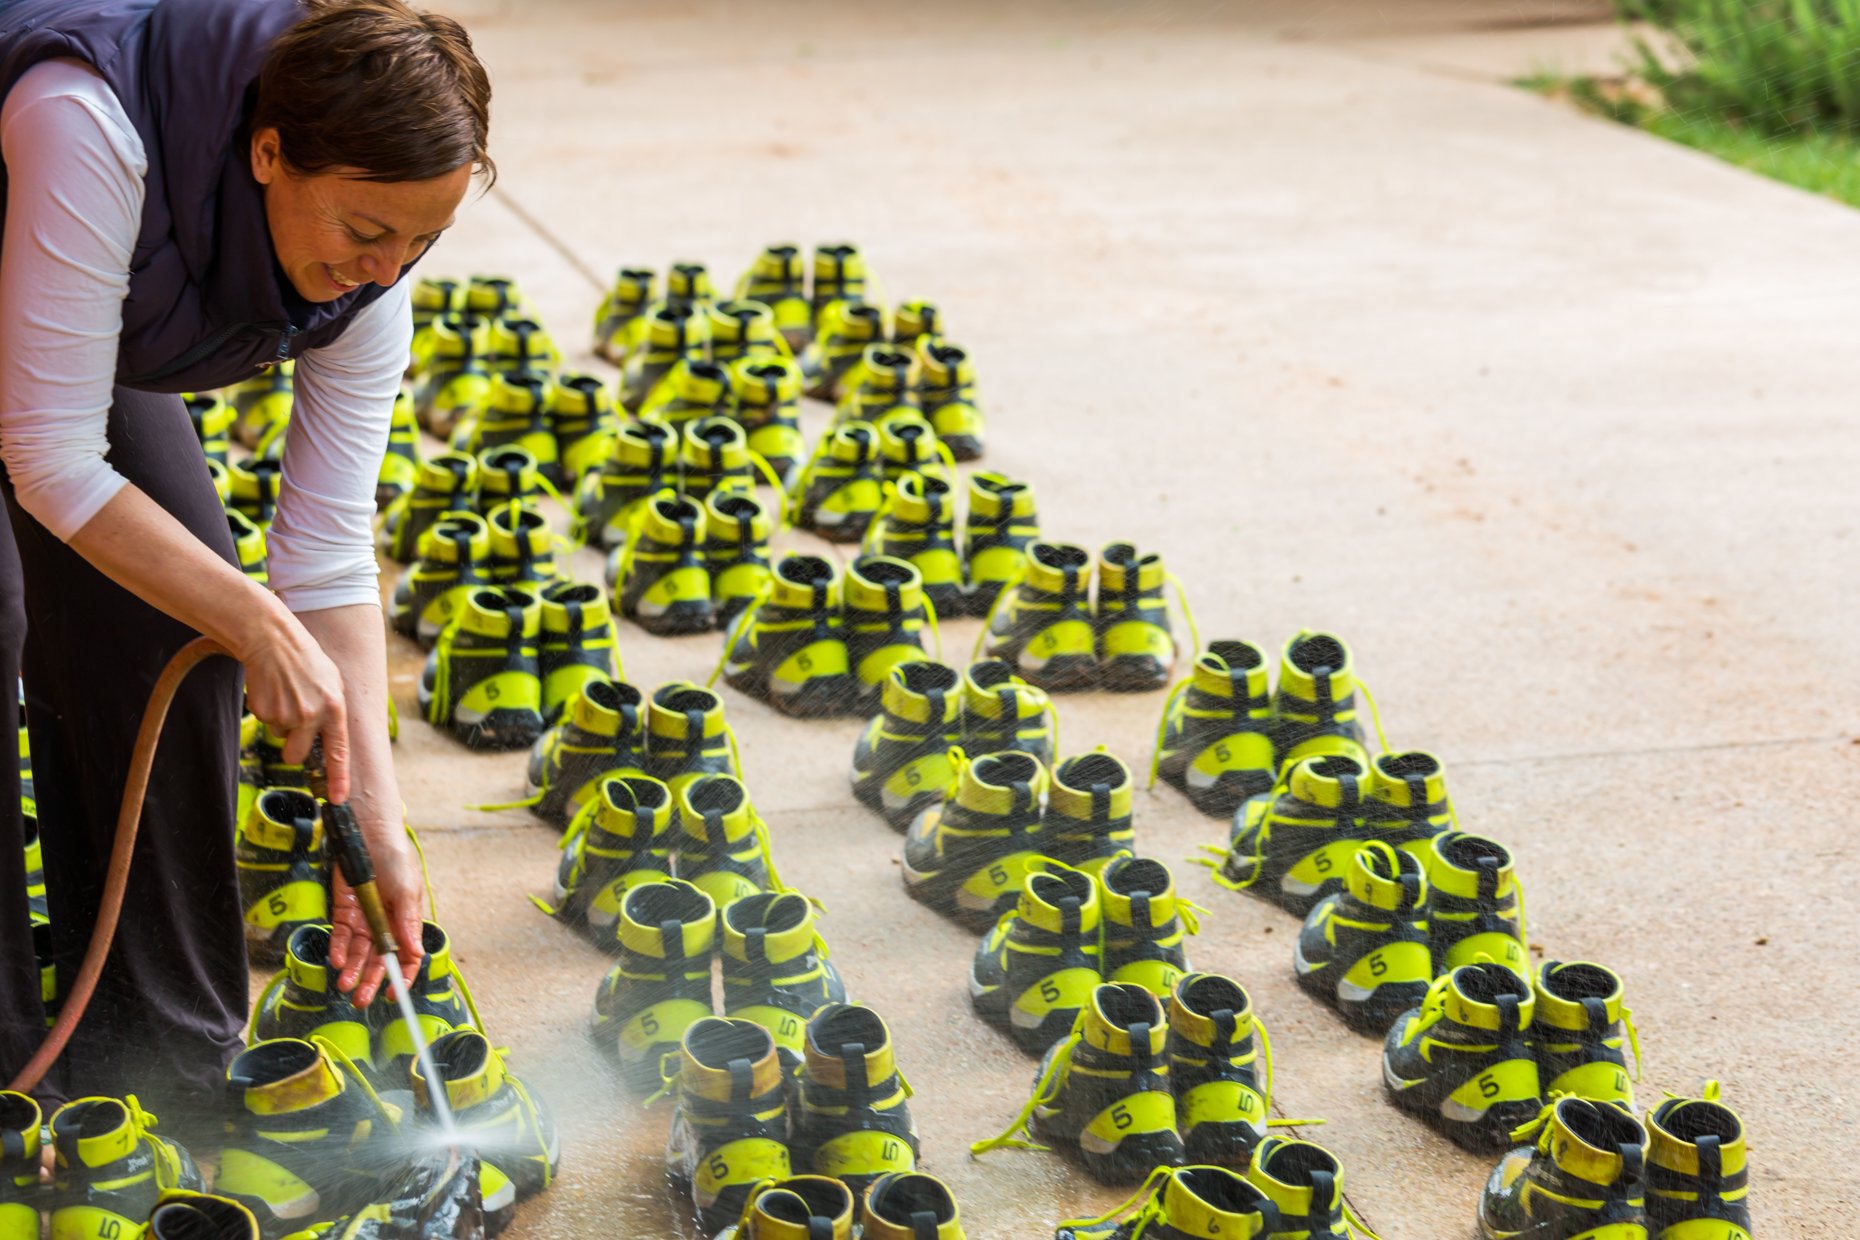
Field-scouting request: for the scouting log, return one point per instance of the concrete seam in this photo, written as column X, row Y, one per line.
column 549, row 238
column 1654, row 751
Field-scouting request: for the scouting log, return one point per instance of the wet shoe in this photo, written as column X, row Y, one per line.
column 109, row 1169
column 913, row 1206
column 660, row 986
column 482, row 682
column 212, row 419
column 1305, row 1182
column 881, row 385
column 999, row 527
column 886, row 616
column 1088, row 811
column 519, row 548
column 946, row 393
column 743, row 327
column 1000, row 711
column 452, row 377
column 778, row 279
column 252, row 489
column 1042, row 625
column 852, row 1120
column 1184, row 1203
column 1293, row 846
column 582, row 422
column 1214, row 743
column 262, row 404
column 455, row 561
column 620, row 840
column 1582, row 1032
column 302, row 1002
column 791, row 648
column 282, row 866
column 775, row 967
column 609, row 499
column 1037, row 969
column 400, row 463
column 602, row 735
column 917, row 524
column 249, row 546
column 626, row 300
column 842, row 487
column 1104, row 1092
column 306, row 1137
column 1463, row 1060
column 577, row 643
column 663, row 583
column 1135, row 644
column 665, row 334
column 1475, row 904
column 507, row 475
column 901, row 766
column 913, row 319
column 1406, row 802
column 730, row 1129
column 1697, row 1174
column 1314, row 705
column 686, row 735
column 737, row 527
column 842, row 333
column 714, row 456
column 1220, row 1065
column 1581, row 1177
column 693, row 388
column 814, row 1207
column 1363, row 950
column 839, row 275
column 1146, row 924
column 195, row 1216
column 20, row 1196
column 720, row 844
column 768, row 391
column 509, row 1128
column 969, row 857
column 441, row 1002
column 514, row 415
column 446, row 482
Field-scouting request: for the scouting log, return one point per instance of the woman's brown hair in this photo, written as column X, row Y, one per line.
column 379, row 86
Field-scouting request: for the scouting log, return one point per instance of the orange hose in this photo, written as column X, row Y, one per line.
column 116, row 880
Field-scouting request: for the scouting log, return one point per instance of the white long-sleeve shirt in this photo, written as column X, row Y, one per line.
column 75, row 167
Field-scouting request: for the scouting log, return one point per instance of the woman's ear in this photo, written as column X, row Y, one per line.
column 267, row 155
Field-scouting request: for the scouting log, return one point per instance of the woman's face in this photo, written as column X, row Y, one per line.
column 333, row 232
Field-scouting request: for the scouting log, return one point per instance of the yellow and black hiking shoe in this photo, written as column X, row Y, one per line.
column 768, row 392
column 1580, row 1178
column 737, row 527
column 1135, row 644
column 1183, row 1203
column 886, row 614
column 969, row 857
column 519, row 344
column 663, row 583
column 621, row 839
column 946, row 393
column 601, row 734
column 901, row 765
column 1305, row 1182
column 714, row 456
column 801, row 1207
column 1462, row 1059
column 1582, row 1032
column 493, row 296
column 775, row 967
column 582, row 421
column 1000, row 526
column 778, row 279
column 1294, row 844
column 1215, row 742
column 1220, row 1066
column 282, row 867
column 917, row 524
column 688, row 283
column 431, row 298
column 1146, row 924
column 1475, row 907
column 221, row 480
column 791, row 648
column 659, row 987
column 212, row 418
column 730, row 1130
column 482, row 680
column 881, row 385
column 1103, row 1093
column 445, row 482
column 1314, row 705
column 520, row 547
column 666, row 334
column 842, row 487
column 262, row 404
column 609, row 499
column 907, row 445
column 1000, row 711
column 109, row 1169
column 743, row 327
column 1406, row 803
column 514, row 414
column 400, row 463
column 852, row 1116
column 507, row 475
column 693, row 388
column 626, row 300
column 842, row 332
column 839, row 275
column 1698, row 1185
column 1036, row 970
column 913, row 319
column 686, row 735
column 497, row 1117
column 252, row 489
column 197, row 1216
column 1088, row 809
column 302, row 1002
column 1363, row 950
column 441, row 1003
column 249, row 546
column 455, row 560
column 910, row 1206
column 719, row 843
column 20, row 1196
column 577, row 643
column 452, row 376
column 1042, row 625
column 306, row 1136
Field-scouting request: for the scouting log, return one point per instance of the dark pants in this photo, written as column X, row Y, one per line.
column 171, row 1003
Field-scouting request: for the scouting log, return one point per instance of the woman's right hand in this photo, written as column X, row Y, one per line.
column 291, row 684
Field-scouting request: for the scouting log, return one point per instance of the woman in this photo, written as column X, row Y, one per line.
column 195, row 189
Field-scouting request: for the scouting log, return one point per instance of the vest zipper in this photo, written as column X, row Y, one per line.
column 284, row 342
column 212, row 344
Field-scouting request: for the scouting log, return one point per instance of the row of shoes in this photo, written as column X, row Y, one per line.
column 566, row 421
column 453, row 482
column 1291, row 1190
column 463, row 336
column 511, row 545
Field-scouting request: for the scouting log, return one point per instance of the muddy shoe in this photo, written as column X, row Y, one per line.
column 720, row 844
column 1293, row 846
column 790, row 649
column 1220, row 1066
column 1088, row 811
column 581, row 417
column 887, row 618
column 918, row 525
column 768, row 394
column 1462, row 1059
column 1184, row 1203
column 969, row 857
column 482, row 681
column 730, row 1128
column 1037, row 969
column 901, row 766
column 1042, row 625
column 282, row 867
column 842, row 487
column 1475, row 908
column 853, row 1118
column 946, row 392
column 620, row 840
column 1697, row 1170
column 663, row 584
column 1583, row 1029
column 775, row 968
column 910, row 1207
column 602, row 735
column 737, row 527
column 1215, row 743
column 302, row 1002
column 509, row 1128
column 801, row 1207
column 1580, row 1176
column 1305, row 1182
column 1314, row 705
column 577, row 643
column 455, row 559
column 1001, row 524
column 451, row 372
column 1146, row 924
column 1135, row 643
column 660, row 986
column 1364, row 949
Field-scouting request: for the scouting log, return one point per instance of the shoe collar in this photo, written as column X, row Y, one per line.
column 716, row 810
column 1214, row 1203
column 606, row 708
column 670, row 921
column 281, row 818
column 579, row 396
column 765, row 379
column 852, row 443
column 998, row 784
column 737, row 517
column 849, row 1049
column 1304, row 1180
column 838, row 263
column 1412, row 780
column 768, row 928
column 1316, row 668
column 724, row 1060
column 96, row 1132
column 516, row 529
column 573, row 607
column 694, row 381
column 498, row 613
column 1470, row 867
column 681, row 710
column 778, row 262
column 517, row 392
column 508, row 470
column 922, row 499
column 1124, row 1019
column 1210, row 1011
column 913, row 320
column 1140, row 894
column 1487, row 997
column 436, row 965
column 1092, row 787
column 283, row 1076
column 1060, row 900
column 798, row 1208
column 1578, row 997
column 456, row 538
column 885, row 586
column 645, row 443
column 20, row 1119
column 992, row 691
column 1387, row 878
column 1058, row 568
column 183, row 1215
column 850, row 322
column 689, row 281
column 1334, row 781
column 907, row 441
column 673, row 327
column 805, row 583
column 995, row 497
column 923, row 692
column 306, row 958
column 1232, row 669
column 942, row 364
column 672, row 520
column 472, row 1069
column 1699, row 1138
column 1599, row 1143
column 1123, row 569
column 903, row 1206
column 633, row 806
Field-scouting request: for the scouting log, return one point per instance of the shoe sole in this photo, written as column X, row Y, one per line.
column 1067, row 674
column 1486, row 1136
column 1132, row 676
